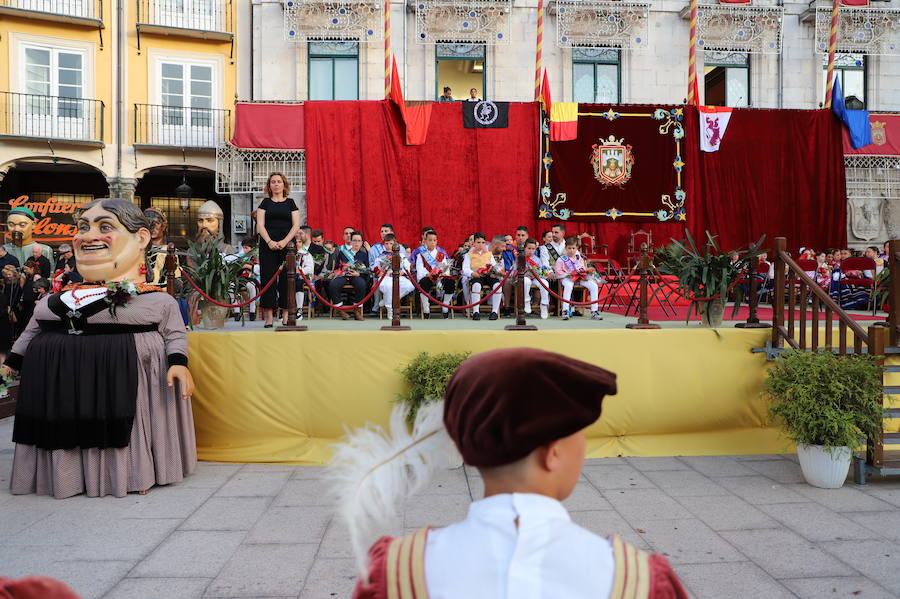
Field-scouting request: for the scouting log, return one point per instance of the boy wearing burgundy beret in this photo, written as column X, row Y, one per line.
column 518, row 415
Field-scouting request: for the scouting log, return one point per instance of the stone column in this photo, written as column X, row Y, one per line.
column 241, row 205
column 121, row 187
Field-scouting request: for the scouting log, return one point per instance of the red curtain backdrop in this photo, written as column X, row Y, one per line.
column 268, row 126
column 652, row 176
column 778, row 172
column 359, row 172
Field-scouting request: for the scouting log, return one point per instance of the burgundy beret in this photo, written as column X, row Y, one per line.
column 35, row 587
column 503, row 404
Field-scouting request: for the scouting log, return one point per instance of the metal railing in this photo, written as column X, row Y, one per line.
column 51, row 117
column 87, row 9
column 180, row 126
column 201, row 15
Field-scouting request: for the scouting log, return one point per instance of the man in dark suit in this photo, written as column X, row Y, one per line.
column 40, row 261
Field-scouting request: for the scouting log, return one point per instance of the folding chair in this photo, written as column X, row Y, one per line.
column 851, row 265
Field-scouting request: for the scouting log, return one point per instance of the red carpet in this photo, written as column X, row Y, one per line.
column 764, row 313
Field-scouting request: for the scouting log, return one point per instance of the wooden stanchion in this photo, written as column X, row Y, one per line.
column 778, row 297
column 753, row 301
column 170, row 269
column 395, row 295
column 290, row 271
column 520, row 325
column 644, row 266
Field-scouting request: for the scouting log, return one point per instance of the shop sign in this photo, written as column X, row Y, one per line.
column 54, row 219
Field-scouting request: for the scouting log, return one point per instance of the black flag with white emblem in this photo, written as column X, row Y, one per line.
column 485, row 115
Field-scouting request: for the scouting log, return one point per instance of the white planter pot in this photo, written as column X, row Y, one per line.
column 822, row 469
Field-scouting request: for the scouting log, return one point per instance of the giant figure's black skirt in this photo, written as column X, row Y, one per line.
column 78, row 389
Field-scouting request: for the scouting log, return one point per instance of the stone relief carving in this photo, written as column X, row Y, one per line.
column 892, row 218
column 866, row 218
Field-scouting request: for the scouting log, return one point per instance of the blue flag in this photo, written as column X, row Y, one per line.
column 856, row 121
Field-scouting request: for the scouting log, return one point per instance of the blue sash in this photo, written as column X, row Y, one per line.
column 429, row 259
column 348, row 254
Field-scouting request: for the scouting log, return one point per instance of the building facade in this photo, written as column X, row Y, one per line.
column 135, row 98
column 768, row 54
column 115, row 98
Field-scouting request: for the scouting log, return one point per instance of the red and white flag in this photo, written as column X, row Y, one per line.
column 713, row 122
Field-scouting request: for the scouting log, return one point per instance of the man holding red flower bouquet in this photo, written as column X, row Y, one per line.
column 482, row 271
column 432, row 265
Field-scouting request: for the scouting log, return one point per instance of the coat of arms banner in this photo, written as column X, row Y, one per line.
column 626, row 164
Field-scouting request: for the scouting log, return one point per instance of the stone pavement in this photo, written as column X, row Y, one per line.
column 733, row 527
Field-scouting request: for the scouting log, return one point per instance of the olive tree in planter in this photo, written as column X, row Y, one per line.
column 705, row 275
column 218, row 277
column 825, row 404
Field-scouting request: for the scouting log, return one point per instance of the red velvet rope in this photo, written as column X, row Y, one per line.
column 467, row 306
column 692, row 298
column 224, row 305
column 562, row 299
column 372, row 291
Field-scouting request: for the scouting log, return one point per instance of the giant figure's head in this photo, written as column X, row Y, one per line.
column 112, row 238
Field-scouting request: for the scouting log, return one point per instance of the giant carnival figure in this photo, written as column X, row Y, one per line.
column 104, row 399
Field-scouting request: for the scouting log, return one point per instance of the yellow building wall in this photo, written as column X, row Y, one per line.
column 154, row 44
column 100, row 82
column 101, row 85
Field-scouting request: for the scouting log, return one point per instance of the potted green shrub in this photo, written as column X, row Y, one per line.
column 218, row 277
column 825, row 404
column 427, row 376
column 705, row 276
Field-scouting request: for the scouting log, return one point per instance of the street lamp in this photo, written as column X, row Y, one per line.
column 184, row 192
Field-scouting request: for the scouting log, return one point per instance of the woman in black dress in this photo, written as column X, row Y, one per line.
column 277, row 222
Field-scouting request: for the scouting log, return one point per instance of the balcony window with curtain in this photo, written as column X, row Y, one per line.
column 597, row 75
column 333, row 70
column 726, row 78
column 851, row 70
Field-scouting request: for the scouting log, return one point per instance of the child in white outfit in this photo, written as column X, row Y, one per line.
column 571, row 270
column 535, row 263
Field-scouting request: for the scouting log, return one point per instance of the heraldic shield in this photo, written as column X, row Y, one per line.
column 612, row 161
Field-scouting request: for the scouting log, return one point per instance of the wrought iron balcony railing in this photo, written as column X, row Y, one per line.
column 214, row 16
column 82, row 9
column 180, row 126
column 24, row 116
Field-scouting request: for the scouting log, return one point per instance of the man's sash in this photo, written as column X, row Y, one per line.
column 431, row 260
column 347, row 253
column 554, row 255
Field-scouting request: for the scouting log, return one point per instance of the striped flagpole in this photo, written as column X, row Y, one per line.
column 387, row 49
column 538, row 51
column 692, row 58
column 832, row 49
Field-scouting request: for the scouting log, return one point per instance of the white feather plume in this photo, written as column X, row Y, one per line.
column 373, row 472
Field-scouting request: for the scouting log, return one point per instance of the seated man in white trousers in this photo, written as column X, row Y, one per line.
column 387, row 284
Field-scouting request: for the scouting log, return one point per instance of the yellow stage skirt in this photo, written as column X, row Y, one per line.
column 264, row 397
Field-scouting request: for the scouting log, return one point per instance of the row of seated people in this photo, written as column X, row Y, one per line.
column 346, row 273
column 848, row 276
